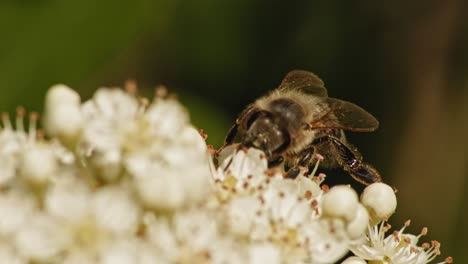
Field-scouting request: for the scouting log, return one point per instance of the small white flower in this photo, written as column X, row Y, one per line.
column 111, row 117
column 116, row 211
column 16, row 209
column 26, row 159
column 242, row 164
column 167, row 118
column 242, row 213
column 193, row 236
column 69, row 198
column 284, row 205
column 326, row 240
column 397, row 248
column 38, row 163
column 243, row 171
column 41, row 238
column 172, row 174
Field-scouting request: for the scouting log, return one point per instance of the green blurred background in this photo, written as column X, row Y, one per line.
column 404, row 61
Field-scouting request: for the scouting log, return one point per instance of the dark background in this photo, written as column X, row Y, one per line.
column 406, row 62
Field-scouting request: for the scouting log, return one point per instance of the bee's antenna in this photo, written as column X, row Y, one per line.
column 228, row 164
column 230, row 161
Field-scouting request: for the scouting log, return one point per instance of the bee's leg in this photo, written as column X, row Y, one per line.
column 275, row 162
column 302, row 160
column 293, row 172
column 351, row 161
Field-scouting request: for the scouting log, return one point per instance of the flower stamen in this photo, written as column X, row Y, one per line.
column 20, row 112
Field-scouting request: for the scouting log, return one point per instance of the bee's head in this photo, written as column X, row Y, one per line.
column 266, row 134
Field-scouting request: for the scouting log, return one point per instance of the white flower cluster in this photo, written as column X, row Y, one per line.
column 120, row 180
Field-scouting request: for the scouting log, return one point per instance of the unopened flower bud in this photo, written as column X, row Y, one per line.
column 358, row 225
column 380, row 200
column 340, row 201
column 354, row 260
column 63, row 118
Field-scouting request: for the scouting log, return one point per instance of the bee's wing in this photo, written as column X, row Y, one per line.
column 303, row 81
column 344, row 115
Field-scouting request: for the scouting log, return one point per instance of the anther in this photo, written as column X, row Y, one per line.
column 131, row 86
column 6, row 121
column 203, row 134
column 160, row 91
column 408, row 222
column 424, row 231
column 20, row 112
column 33, row 117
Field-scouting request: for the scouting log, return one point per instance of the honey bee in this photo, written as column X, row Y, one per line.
column 298, row 120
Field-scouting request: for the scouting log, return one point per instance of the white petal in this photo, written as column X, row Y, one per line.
column 264, row 253
column 245, row 164
column 242, row 213
column 306, row 185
